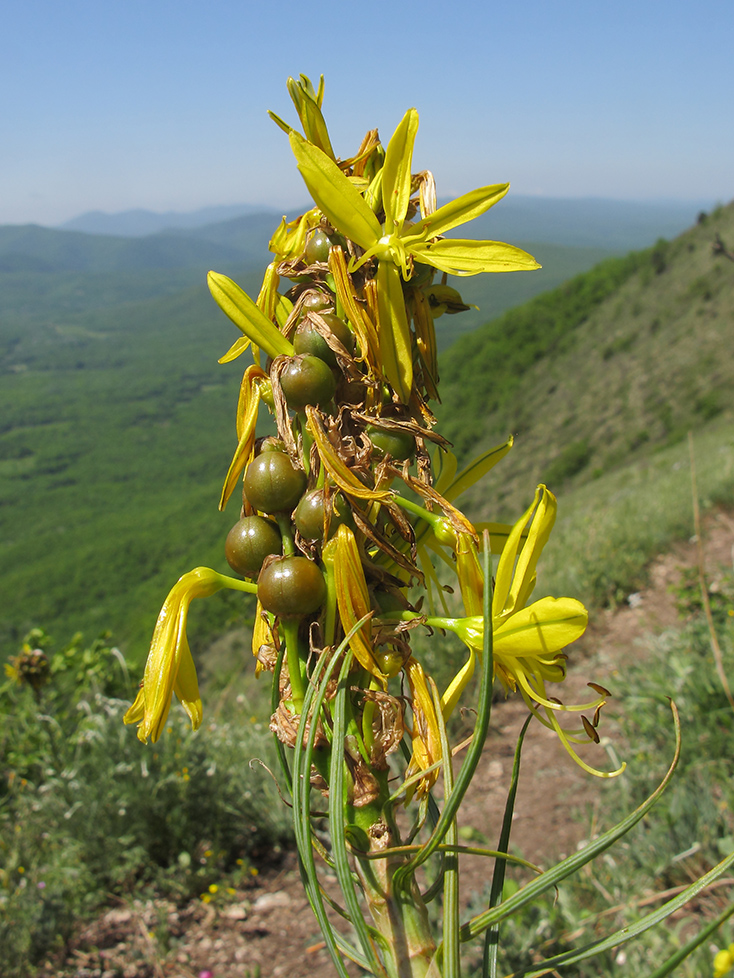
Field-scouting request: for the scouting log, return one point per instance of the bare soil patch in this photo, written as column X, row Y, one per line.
column 269, row 926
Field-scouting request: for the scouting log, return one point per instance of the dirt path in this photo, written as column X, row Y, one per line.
column 270, row 925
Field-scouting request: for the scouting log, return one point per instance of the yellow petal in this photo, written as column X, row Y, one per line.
column 339, row 200
column 469, row 573
column 396, row 171
column 246, row 316
column 465, row 257
column 426, row 735
column 186, row 686
column 359, row 318
column 476, row 470
column 396, row 352
column 459, row 211
column 169, row 665
column 247, row 410
column 514, row 582
column 308, row 106
column 546, row 627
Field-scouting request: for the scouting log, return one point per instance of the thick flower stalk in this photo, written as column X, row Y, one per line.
column 349, row 535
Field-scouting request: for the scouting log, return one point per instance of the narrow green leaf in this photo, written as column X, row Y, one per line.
column 396, row 351
column 274, row 701
column 302, row 760
column 491, row 938
column 625, row 934
column 474, row 752
column 246, row 316
column 396, row 171
column 459, row 211
column 459, row 256
column 337, row 821
column 334, row 194
column 667, row 966
column 568, row 866
column 476, row 469
column 450, row 947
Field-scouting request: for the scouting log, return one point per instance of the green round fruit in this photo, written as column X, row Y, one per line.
column 317, row 247
column 249, row 542
column 307, row 380
column 316, row 301
column 399, row 444
column 273, row 484
column 309, row 515
column 309, row 340
column 291, row 587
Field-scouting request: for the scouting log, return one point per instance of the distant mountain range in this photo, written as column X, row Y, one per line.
column 138, row 223
column 585, row 222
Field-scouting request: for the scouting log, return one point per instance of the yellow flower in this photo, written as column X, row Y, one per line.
column 170, row 668
column 527, row 642
column 724, row 962
column 397, row 244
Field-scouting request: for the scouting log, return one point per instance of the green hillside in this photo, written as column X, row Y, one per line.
column 611, row 365
column 116, row 432
column 493, row 294
column 116, row 422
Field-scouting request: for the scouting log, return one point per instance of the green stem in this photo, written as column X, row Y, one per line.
column 442, row 529
column 286, row 531
column 296, row 665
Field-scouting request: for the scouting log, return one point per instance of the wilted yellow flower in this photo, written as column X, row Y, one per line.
column 425, row 734
column 170, row 668
column 352, row 597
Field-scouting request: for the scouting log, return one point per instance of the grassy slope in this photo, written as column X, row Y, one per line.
column 605, row 369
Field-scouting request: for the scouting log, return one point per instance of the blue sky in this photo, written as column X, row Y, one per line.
column 115, row 104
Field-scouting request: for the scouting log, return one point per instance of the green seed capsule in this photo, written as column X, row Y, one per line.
column 272, row 483
column 249, row 542
column 307, row 380
column 291, row 586
column 399, row 444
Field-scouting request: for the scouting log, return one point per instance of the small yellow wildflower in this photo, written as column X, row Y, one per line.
column 724, row 962
column 213, row 888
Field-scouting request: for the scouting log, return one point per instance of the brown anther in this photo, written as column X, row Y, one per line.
column 590, row 731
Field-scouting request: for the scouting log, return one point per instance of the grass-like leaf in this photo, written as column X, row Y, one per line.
column 491, row 938
column 625, row 934
column 337, row 822
column 574, row 862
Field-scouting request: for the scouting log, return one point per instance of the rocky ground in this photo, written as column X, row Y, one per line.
column 268, row 930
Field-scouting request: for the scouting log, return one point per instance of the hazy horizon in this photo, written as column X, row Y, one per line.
column 243, row 208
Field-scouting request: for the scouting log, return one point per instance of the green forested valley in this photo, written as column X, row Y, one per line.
column 116, row 422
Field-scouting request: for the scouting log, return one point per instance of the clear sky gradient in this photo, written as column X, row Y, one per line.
column 117, row 104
